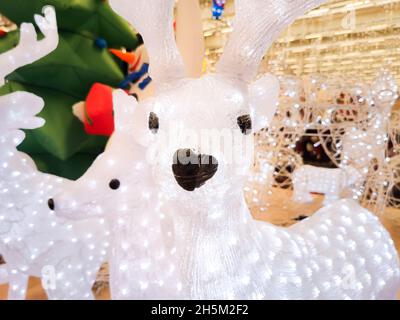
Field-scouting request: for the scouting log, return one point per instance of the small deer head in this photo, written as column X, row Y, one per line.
column 199, row 130
column 118, row 180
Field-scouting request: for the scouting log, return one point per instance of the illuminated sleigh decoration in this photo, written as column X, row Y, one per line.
column 349, row 121
column 33, row 241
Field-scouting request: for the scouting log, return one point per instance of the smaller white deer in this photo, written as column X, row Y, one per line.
column 328, row 181
column 119, row 185
column 33, row 241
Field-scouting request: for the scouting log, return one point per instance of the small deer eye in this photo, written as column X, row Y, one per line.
column 154, row 124
column 114, row 184
column 135, row 96
column 244, row 123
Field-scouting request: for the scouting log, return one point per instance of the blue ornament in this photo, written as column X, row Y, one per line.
column 101, row 43
column 134, row 77
column 145, row 83
column 218, row 8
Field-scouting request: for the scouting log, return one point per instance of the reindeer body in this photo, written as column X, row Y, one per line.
column 234, row 257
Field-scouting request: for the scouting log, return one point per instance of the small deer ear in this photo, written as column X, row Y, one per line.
column 124, row 109
column 264, row 98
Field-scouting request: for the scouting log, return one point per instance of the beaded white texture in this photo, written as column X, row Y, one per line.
column 33, row 241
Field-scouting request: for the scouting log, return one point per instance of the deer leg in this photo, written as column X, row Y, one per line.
column 301, row 193
column 3, row 274
column 74, row 284
column 17, row 285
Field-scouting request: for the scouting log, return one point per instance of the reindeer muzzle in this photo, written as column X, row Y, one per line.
column 193, row 170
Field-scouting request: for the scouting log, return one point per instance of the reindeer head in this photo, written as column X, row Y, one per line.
column 199, row 130
column 385, row 92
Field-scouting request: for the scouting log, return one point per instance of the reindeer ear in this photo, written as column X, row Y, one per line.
column 124, row 109
column 264, row 98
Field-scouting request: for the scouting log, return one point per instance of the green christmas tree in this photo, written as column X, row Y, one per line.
column 65, row 77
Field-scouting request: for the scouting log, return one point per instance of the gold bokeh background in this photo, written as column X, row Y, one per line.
column 348, row 38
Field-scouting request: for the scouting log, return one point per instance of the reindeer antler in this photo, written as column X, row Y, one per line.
column 29, row 48
column 153, row 19
column 257, row 24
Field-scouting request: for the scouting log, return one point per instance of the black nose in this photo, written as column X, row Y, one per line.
column 51, row 204
column 193, row 170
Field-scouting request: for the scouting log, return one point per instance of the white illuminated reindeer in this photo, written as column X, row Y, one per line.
column 341, row 252
column 33, row 241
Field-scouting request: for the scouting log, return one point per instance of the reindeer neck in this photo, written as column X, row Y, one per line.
column 214, row 216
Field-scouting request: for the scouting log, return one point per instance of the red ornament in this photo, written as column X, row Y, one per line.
column 99, row 118
column 3, row 33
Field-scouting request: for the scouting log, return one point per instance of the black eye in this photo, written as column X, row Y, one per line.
column 114, row 184
column 135, row 96
column 244, row 123
column 154, row 124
